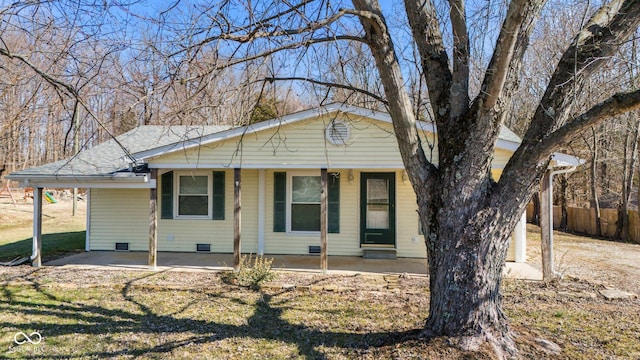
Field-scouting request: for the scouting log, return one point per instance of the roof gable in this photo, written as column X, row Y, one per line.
column 507, row 139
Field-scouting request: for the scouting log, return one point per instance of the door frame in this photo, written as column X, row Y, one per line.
column 385, row 237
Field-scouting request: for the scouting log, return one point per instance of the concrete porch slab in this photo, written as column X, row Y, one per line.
column 173, row 261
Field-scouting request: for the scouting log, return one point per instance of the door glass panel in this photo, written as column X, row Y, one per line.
column 377, row 203
column 377, row 191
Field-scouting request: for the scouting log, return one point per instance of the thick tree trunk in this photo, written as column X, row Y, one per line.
column 465, row 300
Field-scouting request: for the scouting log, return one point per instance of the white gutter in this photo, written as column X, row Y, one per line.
column 551, row 174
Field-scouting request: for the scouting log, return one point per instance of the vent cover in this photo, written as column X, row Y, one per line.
column 203, row 247
column 314, row 249
column 338, row 133
column 122, row 246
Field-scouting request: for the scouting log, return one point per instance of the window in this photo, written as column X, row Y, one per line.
column 296, row 202
column 193, row 195
column 305, row 203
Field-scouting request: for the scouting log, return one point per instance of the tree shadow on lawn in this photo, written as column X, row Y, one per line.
column 266, row 323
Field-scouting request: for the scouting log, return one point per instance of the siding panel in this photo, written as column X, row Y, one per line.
column 110, row 224
column 302, row 144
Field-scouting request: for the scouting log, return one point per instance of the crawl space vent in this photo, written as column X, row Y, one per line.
column 122, row 246
column 203, row 247
column 338, row 133
column 314, row 249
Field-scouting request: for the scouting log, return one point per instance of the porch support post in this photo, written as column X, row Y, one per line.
column 237, row 179
column 87, row 238
column 153, row 222
column 36, row 256
column 546, row 226
column 521, row 239
column 262, row 189
column 323, row 219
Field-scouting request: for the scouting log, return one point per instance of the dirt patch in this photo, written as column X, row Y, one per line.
column 612, row 264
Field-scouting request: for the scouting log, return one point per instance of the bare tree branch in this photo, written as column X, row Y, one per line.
column 257, row 32
column 460, row 82
column 616, row 105
column 58, row 84
column 419, row 169
column 520, row 14
column 435, row 61
column 593, row 46
column 328, row 84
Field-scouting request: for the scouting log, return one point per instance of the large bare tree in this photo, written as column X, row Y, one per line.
column 467, row 215
column 470, row 85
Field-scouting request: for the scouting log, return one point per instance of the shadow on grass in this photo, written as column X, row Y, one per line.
column 53, row 246
column 138, row 318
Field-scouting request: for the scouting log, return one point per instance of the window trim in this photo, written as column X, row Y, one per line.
column 176, row 195
column 290, row 175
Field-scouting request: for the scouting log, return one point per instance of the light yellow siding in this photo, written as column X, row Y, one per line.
column 184, row 234
column 122, row 215
column 344, row 243
column 409, row 242
column 371, row 144
column 119, row 215
column 500, row 158
column 347, row 242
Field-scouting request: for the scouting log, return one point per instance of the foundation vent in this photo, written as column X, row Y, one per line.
column 203, row 247
column 122, row 246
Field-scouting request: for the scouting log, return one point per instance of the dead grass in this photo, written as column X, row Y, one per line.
column 122, row 314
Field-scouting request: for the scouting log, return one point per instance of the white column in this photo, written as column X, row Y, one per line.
column 521, row 239
column 262, row 188
column 36, row 256
column 87, row 238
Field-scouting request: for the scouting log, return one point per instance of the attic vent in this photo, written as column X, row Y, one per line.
column 338, row 133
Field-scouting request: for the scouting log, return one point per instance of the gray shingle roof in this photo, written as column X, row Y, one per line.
column 109, row 157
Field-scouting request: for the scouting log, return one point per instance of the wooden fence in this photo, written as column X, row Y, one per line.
column 583, row 221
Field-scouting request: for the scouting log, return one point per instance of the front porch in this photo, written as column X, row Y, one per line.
column 176, row 261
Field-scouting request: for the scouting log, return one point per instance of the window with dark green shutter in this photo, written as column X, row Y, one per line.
column 280, row 202
column 333, row 213
column 218, row 195
column 304, row 211
column 166, row 196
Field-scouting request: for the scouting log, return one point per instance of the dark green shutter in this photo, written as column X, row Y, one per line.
column 218, row 195
column 279, row 202
column 167, row 195
column 333, row 189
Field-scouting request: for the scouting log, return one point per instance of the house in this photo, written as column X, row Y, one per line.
column 257, row 188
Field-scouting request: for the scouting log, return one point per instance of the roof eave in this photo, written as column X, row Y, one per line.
column 84, row 181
